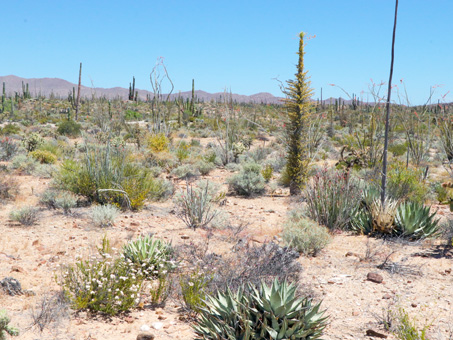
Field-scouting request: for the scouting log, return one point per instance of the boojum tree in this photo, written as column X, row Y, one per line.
column 298, row 107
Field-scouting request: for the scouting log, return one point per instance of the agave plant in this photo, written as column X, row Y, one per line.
column 413, row 220
column 383, row 215
column 273, row 312
column 151, row 255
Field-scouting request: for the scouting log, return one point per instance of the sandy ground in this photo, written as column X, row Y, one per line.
column 338, row 275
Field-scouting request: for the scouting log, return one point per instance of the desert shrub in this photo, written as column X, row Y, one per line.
column 107, row 176
column 32, row 142
column 267, row 173
column 132, row 115
column 259, row 154
column 5, row 328
column 69, row 128
column 50, row 310
column 10, row 129
column 185, row 171
column 8, row 187
column 26, row 216
column 245, row 265
column 276, row 160
column 45, row 170
column 305, row 235
column 248, row 181
column 204, row 167
column 104, row 215
column 194, row 289
column 7, row 148
column 403, row 326
column 66, row 200
column 210, row 157
column 152, row 256
column 183, row 151
column 266, row 312
column 53, row 146
column 195, row 207
column 44, row 157
column 104, row 283
column 158, row 142
column 331, row 197
column 406, row 183
column 24, row 164
column 398, row 149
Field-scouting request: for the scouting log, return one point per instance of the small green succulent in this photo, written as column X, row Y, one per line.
column 151, row 255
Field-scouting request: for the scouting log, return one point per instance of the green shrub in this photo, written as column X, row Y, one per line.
column 305, row 235
column 26, row 216
column 69, row 128
column 183, row 151
column 44, row 157
column 204, row 167
column 5, row 329
column 406, row 183
column 158, row 142
column 152, row 255
column 248, row 181
column 106, row 175
column 398, row 149
column 273, row 312
column 132, row 115
column 102, row 283
column 404, row 327
column 24, row 164
column 10, row 129
column 185, row 171
column 267, row 173
column 195, row 207
column 331, row 196
column 104, row 215
column 193, row 289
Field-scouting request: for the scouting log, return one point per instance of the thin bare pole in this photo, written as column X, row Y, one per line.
column 78, row 94
column 387, row 116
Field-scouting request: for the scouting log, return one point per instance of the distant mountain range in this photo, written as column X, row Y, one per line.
column 61, row 88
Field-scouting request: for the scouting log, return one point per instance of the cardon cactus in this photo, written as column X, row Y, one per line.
column 273, row 312
column 4, row 328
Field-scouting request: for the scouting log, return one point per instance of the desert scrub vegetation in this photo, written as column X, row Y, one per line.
column 195, row 205
column 104, row 215
column 26, row 216
column 331, row 195
column 69, row 128
column 111, row 282
column 5, row 328
column 106, row 174
column 305, row 235
column 248, row 181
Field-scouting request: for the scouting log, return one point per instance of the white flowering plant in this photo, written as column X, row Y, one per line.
column 105, row 283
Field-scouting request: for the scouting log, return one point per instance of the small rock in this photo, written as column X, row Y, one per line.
column 375, row 334
column 413, row 304
column 145, row 328
column 145, row 336
column 375, row 277
column 157, row 325
column 386, row 297
column 355, row 313
column 129, row 319
column 160, row 317
column 135, row 224
column 35, row 243
column 185, row 237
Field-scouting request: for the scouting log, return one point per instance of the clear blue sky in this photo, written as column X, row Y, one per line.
column 238, row 45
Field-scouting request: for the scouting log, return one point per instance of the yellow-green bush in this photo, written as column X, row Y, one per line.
column 158, row 142
column 43, row 156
